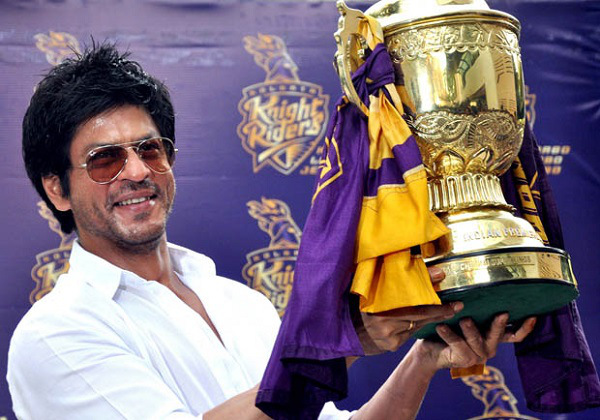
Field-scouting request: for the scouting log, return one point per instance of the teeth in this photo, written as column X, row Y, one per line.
column 133, row 201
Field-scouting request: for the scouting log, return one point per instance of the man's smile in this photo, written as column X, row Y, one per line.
column 135, row 200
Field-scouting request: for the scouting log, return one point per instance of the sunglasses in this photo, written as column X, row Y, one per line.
column 105, row 163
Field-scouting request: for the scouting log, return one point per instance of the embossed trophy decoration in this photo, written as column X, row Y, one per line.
column 461, row 66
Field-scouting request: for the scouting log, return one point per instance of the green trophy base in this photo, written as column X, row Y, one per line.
column 543, row 282
column 520, row 298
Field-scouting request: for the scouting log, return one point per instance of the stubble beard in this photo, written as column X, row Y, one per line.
column 138, row 245
column 138, row 241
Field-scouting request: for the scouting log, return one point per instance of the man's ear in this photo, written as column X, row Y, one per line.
column 54, row 191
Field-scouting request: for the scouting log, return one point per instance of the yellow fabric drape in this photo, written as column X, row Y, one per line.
column 388, row 276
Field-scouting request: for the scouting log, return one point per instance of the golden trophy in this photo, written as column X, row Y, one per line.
column 460, row 63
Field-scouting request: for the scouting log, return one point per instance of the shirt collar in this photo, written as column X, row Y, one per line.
column 106, row 277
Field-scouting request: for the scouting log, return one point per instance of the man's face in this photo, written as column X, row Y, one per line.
column 130, row 212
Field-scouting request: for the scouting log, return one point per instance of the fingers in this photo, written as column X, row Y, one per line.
column 384, row 332
column 436, row 274
column 425, row 313
column 472, row 348
column 388, row 330
column 429, row 318
column 430, row 312
column 473, row 337
column 448, row 335
column 496, row 333
column 412, row 325
column 459, row 352
column 521, row 333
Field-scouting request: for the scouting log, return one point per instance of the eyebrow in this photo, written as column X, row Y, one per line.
column 99, row 144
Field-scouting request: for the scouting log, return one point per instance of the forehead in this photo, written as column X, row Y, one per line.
column 119, row 125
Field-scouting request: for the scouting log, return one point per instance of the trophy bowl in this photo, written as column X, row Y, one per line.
column 460, row 64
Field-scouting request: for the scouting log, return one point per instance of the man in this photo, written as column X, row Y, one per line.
column 140, row 328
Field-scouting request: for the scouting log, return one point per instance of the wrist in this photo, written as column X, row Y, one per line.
column 426, row 355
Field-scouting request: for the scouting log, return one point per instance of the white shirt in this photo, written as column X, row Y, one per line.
column 107, row 344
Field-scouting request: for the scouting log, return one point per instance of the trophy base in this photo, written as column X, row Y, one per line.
column 523, row 281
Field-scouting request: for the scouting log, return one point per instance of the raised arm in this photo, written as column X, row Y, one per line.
column 401, row 395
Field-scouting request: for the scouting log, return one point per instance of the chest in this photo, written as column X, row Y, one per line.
column 187, row 296
column 201, row 367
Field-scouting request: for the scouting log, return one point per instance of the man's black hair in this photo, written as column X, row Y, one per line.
column 80, row 88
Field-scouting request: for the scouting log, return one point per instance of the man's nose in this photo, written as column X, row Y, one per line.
column 135, row 168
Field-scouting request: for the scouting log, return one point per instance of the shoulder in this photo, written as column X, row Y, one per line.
column 73, row 310
column 52, row 334
column 57, row 307
column 71, row 297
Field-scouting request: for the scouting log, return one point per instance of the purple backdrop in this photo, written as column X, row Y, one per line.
column 224, row 61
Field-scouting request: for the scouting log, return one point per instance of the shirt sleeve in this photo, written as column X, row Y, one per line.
column 94, row 376
column 331, row 412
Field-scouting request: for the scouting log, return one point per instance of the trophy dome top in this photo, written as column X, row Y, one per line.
column 392, row 14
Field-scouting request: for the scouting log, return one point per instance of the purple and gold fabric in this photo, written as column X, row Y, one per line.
column 369, row 209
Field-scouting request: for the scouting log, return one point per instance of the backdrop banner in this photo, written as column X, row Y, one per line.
column 253, row 86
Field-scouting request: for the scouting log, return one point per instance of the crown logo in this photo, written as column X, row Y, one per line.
column 499, row 402
column 270, row 270
column 284, row 118
column 270, row 53
column 57, row 46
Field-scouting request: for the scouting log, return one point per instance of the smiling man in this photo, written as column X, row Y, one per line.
column 140, row 328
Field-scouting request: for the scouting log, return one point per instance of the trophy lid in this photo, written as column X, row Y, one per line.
column 392, row 14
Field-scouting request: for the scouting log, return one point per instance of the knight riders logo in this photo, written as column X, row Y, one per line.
column 270, row 270
column 284, row 118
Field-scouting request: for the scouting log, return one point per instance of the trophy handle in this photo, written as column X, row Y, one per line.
column 351, row 50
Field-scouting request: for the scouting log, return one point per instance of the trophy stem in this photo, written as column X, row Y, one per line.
column 467, row 190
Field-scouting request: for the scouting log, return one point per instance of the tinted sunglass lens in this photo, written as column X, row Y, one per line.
column 104, row 164
column 157, row 153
